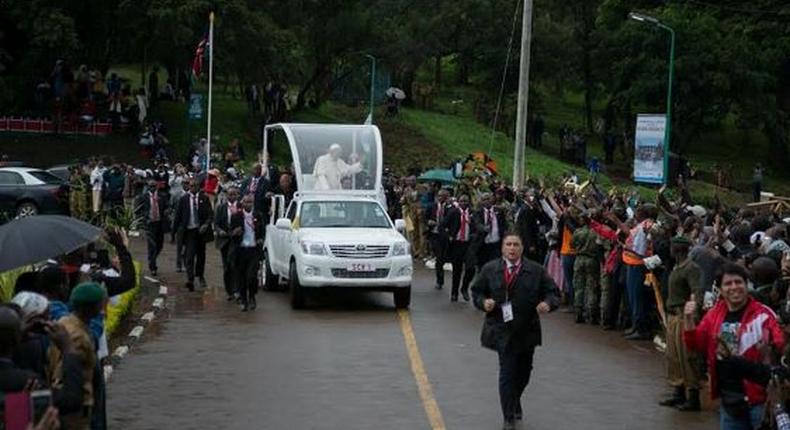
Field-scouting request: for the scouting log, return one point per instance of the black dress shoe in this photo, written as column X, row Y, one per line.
column 465, row 294
column 179, row 269
column 244, row 308
column 454, row 298
column 202, row 282
column 153, row 272
column 608, row 327
column 509, row 425
column 253, row 304
column 230, row 298
column 190, row 286
column 638, row 336
column 438, row 286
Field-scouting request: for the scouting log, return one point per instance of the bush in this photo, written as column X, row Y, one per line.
column 123, row 305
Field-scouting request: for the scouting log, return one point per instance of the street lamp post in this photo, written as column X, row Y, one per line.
column 372, row 84
column 668, row 131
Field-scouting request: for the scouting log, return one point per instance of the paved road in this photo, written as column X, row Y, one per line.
column 343, row 364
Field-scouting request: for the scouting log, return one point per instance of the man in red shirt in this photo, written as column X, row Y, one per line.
column 741, row 327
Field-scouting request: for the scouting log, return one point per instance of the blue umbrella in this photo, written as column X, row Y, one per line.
column 438, row 175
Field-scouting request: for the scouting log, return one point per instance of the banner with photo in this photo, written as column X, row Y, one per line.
column 649, row 148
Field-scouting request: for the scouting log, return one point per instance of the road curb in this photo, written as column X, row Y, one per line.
column 137, row 331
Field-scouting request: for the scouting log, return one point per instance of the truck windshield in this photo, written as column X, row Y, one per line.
column 343, row 214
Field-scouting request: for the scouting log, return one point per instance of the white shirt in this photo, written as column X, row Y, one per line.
column 329, row 172
column 492, row 221
column 194, row 201
column 248, row 240
column 97, row 178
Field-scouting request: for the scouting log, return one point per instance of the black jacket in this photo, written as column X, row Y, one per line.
column 205, row 216
column 532, row 286
column 237, row 220
column 142, row 207
column 222, row 225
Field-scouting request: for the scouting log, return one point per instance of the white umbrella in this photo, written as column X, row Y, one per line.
column 396, row 92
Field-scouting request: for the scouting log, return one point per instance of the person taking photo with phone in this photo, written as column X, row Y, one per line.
column 736, row 326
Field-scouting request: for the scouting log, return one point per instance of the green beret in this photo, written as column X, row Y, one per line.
column 681, row 240
column 87, row 293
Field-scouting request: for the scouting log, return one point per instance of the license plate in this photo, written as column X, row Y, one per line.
column 361, row 267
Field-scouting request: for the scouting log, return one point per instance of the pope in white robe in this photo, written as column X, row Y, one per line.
column 330, row 169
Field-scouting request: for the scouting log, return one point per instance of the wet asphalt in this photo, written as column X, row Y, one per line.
column 342, row 364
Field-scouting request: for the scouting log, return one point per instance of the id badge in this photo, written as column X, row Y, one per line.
column 507, row 312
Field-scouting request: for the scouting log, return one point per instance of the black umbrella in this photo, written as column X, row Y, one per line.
column 37, row 238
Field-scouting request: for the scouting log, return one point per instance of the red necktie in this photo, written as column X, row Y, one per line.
column 154, row 208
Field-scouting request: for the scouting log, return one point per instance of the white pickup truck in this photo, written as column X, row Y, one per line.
column 329, row 241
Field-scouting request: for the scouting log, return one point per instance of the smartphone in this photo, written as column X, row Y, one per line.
column 40, row 400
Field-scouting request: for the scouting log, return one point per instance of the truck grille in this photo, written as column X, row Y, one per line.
column 359, row 251
column 343, row 273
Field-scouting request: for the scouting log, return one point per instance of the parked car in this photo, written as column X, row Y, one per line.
column 26, row 191
column 62, row 171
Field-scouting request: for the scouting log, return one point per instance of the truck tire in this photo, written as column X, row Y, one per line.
column 270, row 280
column 402, row 297
column 297, row 293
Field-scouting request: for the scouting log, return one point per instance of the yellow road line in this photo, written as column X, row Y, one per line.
column 417, row 368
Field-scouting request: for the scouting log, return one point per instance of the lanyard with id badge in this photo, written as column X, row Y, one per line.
column 511, row 273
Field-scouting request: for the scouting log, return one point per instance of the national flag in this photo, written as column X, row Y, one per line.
column 200, row 52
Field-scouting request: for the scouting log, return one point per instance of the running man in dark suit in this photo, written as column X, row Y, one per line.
column 513, row 291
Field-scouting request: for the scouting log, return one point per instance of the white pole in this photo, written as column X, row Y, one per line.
column 210, row 83
column 523, row 98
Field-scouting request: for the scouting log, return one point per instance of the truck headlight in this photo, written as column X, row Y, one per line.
column 400, row 248
column 312, row 248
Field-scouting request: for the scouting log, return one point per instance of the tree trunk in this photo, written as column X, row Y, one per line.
column 318, row 73
column 462, row 71
column 437, row 70
column 144, row 65
column 588, row 89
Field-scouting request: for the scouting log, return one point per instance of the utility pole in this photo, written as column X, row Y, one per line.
column 523, row 98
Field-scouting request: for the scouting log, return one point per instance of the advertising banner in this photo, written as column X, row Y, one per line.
column 196, row 106
column 649, row 148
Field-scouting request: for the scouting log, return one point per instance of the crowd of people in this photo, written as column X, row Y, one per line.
column 52, row 334
column 712, row 282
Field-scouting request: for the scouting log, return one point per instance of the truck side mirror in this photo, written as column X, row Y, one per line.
column 283, row 224
column 400, row 225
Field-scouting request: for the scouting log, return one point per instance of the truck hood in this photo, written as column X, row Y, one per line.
column 351, row 236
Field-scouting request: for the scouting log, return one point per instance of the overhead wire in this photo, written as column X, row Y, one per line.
column 504, row 77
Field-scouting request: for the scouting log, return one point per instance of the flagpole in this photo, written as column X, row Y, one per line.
column 210, row 82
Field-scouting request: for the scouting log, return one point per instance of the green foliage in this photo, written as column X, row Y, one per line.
column 7, row 282
column 118, row 310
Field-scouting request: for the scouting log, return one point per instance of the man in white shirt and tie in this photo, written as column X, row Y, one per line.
column 193, row 220
column 492, row 225
column 250, row 242
column 151, row 207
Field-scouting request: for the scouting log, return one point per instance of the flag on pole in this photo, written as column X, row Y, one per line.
column 197, row 62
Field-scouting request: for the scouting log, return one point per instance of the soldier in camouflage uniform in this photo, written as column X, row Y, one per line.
column 586, row 272
column 682, row 365
column 79, row 204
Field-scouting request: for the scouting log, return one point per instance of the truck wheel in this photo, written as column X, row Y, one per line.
column 297, row 293
column 270, row 280
column 402, row 297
